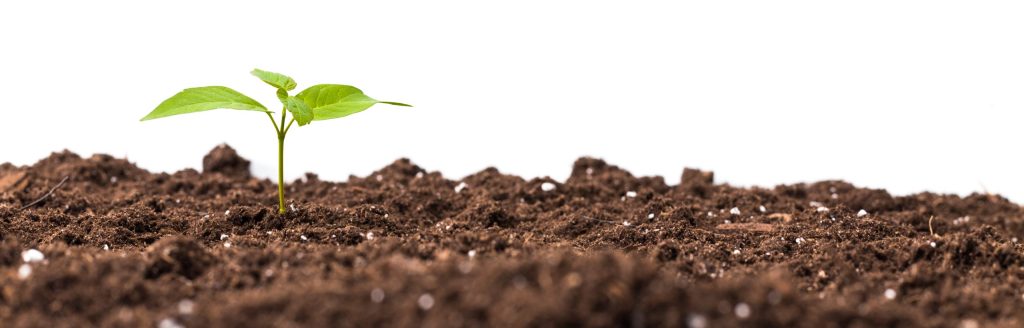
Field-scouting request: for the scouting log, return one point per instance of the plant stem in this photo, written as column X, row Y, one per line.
column 281, row 132
column 280, row 173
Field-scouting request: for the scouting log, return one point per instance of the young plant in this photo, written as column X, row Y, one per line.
column 316, row 103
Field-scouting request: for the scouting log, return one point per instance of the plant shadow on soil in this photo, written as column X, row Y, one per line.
column 402, row 247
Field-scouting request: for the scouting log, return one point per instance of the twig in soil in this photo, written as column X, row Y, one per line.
column 598, row 220
column 930, row 231
column 48, row 193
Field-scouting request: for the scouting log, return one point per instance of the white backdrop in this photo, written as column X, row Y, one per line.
column 907, row 95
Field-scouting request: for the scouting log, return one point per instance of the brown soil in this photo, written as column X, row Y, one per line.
column 402, row 247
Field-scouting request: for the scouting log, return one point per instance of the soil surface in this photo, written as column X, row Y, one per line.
column 120, row 246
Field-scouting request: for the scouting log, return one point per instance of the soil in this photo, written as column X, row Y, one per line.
column 408, row 247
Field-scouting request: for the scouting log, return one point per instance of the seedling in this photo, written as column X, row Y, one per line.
column 317, row 103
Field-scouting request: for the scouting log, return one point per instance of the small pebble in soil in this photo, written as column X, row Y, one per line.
column 822, row 274
column 113, row 179
column 835, row 196
column 735, row 252
column 799, row 240
column 425, row 302
column 106, row 247
column 890, row 294
column 419, row 175
column 631, row 194
column 471, row 253
column 734, row 211
column 292, row 207
column 696, row 321
column 303, row 237
column 932, row 244
column 227, row 244
column 223, row 236
column 816, row 204
column 24, row 271
column 227, row 212
column 32, row 255
column 379, row 178
column 650, row 216
column 186, row 307
column 369, row 236
column 862, row 213
column 822, row 209
column 625, row 223
column 377, row 295
column 547, row 186
column 1014, row 240
column 458, row 188
column 169, row 323
column 711, row 215
column 742, row 310
column 762, row 209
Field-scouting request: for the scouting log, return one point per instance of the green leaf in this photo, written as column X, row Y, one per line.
column 299, row 110
column 276, row 80
column 330, row 101
column 202, row 99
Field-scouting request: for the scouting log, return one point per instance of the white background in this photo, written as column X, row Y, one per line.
column 903, row 95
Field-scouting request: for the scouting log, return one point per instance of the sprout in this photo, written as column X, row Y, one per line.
column 316, row 103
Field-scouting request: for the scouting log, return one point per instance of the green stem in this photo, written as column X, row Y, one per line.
column 280, row 173
column 281, row 132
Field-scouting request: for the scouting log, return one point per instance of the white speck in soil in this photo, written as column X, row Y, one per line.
column 379, row 178
column 425, row 302
column 292, row 207
column 419, row 175
column 113, row 179
column 734, row 211
column 835, row 196
column 631, row 194
column 822, row 209
column 24, row 271
column 385, row 215
column 625, row 223
column 762, row 209
column 696, row 321
column 227, row 212
column 728, row 222
column 590, row 171
column 369, row 236
column 862, row 213
column 471, row 253
column 742, row 310
column 177, row 201
column 186, row 307
column 547, row 186
column 650, row 216
column 1014, row 240
column 816, row 204
column 799, row 240
column 227, row 244
column 377, row 295
column 303, row 237
column 32, row 255
column 890, row 294
column 932, row 244
column 458, row 188
column 223, row 236
column 735, row 252
column 106, row 247
column 711, row 215
column 822, row 274
column 169, row 323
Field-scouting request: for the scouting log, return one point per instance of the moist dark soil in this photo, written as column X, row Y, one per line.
column 409, row 247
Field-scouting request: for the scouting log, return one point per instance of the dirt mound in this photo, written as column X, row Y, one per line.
column 408, row 247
